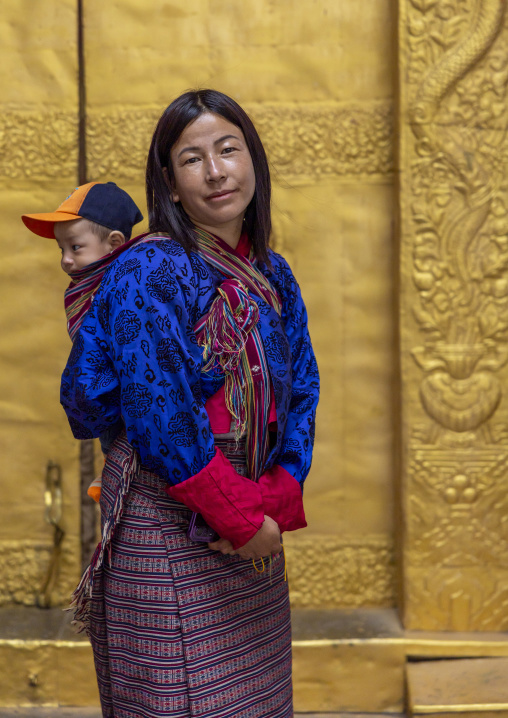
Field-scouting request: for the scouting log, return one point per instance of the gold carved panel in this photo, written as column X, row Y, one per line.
column 454, row 312
column 340, row 572
column 37, row 145
column 302, row 141
column 38, row 168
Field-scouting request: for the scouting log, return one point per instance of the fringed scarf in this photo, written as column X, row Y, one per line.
column 84, row 283
column 124, row 466
column 231, row 338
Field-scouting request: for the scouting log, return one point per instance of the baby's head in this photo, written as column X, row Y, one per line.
column 94, row 220
column 82, row 242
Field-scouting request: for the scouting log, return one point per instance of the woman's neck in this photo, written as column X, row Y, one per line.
column 230, row 233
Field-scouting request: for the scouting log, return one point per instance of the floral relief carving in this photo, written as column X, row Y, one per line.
column 327, row 572
column 434, row 27
column 463, row 519
column 23, row 567
column 327, row 140
column 301, row 140
column 38, row 145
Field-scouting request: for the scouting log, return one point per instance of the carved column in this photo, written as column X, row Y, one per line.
column 453, row 60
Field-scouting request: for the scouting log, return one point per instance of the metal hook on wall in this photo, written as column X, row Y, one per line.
column 53, row 516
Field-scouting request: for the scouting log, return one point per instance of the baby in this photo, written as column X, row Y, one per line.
column 91, row 227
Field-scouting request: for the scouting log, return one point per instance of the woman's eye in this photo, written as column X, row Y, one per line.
column 228, row 150
column 191, row 160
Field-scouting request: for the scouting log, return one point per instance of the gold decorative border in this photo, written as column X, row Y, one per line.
column 312, row 140
column 324, row 572
column 328, row 572
column 22, row 566
column 38, row 145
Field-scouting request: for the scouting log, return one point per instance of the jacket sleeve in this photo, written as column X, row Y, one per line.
column 136, row 356
column 282, row 485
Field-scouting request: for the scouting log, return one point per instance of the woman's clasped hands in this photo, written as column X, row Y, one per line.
column 265, row 542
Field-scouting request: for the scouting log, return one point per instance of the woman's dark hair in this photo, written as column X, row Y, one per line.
column 164, row 215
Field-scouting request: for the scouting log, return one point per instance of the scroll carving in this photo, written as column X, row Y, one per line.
column 458, row 218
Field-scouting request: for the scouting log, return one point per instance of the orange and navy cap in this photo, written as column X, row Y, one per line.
column 101, row 202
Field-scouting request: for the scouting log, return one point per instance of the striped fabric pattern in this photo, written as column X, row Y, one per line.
column 233, row 264
column 180, row 630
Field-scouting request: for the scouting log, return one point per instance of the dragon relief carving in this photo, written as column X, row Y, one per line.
column 460, row 252
column 457, row 265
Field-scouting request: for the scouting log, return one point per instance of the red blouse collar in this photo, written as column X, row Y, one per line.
column 243, row 246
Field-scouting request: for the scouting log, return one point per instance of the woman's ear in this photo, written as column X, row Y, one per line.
column 174, row 195
column 115, row 239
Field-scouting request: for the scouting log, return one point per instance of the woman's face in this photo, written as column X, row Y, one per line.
column 214, row 176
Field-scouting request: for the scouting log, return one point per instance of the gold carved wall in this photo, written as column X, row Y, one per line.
column 380, row 193
column 38, row 164
column 454, row 312
column 319, row 84
column 318, row 79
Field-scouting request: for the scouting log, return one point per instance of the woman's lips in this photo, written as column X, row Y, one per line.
column 220, row 196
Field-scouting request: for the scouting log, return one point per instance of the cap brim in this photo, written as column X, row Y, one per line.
column 44, row 224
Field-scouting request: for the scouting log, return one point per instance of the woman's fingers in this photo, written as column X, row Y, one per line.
column 265, row 542
column 222, row 545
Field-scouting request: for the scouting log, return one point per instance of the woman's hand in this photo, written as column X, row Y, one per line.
column 264, row 543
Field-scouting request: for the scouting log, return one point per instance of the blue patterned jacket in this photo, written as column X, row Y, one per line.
column 136, row 357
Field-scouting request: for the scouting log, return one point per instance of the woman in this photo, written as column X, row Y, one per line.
column 197, row 339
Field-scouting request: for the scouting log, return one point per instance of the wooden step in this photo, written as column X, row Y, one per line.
column 469, row 686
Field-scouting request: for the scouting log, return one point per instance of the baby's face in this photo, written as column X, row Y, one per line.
column 79, row 245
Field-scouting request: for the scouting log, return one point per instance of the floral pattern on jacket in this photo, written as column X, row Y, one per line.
column 136, row 356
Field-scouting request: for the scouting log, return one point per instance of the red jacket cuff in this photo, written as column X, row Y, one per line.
column 231, row 504
column 282, row 499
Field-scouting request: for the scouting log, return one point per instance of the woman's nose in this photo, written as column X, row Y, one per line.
column 215, row 169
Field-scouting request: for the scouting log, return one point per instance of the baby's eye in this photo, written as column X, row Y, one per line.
column 75, row 247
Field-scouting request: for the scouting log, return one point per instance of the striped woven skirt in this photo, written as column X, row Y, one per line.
column 180, row 630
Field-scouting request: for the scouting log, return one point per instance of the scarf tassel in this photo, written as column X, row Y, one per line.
column 80, row 600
